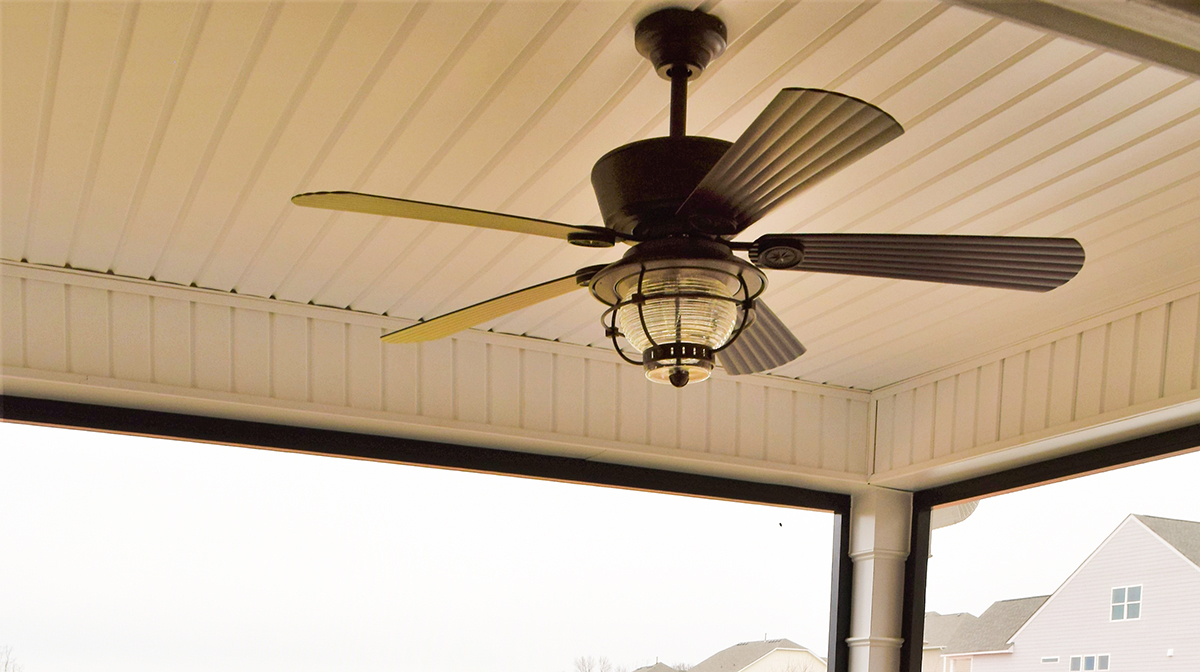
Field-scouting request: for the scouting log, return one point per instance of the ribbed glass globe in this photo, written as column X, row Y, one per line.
column 673, row 319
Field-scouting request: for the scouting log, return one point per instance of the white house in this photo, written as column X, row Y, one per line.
column 1134, row 604
column 939, row 632
column 768, row 655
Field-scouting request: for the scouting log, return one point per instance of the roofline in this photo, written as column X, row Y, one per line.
column 1068, row 579
column 798, row 647
column 976, row 653
column 1168, row 544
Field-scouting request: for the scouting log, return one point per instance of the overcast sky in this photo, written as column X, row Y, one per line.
column 137, row 554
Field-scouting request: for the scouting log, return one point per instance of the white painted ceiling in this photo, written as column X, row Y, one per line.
column 163, row 141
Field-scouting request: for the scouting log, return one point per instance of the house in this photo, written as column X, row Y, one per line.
column 768, row 655
column 657, row 667
column 1133, row 604
column 939, row 630
column 990, row 633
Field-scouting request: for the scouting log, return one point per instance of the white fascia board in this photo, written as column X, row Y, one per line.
column 975, row 653
column 1122, row 425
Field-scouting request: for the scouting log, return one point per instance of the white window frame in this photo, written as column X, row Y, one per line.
column 1126, row 603
column 1081, row 660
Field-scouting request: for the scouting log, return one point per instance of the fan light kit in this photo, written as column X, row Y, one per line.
column 679, row 295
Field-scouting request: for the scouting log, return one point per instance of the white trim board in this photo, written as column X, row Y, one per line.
column 212, row 353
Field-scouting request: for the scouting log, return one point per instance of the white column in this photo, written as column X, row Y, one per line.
column 879, row 537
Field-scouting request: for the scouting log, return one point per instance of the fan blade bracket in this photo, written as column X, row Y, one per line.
column 592, row 236
column 583, row 277
column 777, row 252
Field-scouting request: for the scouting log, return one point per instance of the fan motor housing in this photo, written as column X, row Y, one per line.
column 640, row 186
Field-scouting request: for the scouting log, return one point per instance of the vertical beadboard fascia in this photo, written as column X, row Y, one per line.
column 273, row 354
column 1128, row 362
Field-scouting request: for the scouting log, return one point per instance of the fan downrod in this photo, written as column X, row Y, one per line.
column 640, row 186
column 680, row 43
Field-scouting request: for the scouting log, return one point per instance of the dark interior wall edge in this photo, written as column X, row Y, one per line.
column 916, row 567
column 1096, row 459
column 408, row 451
column 468, row 458
column 839, row 602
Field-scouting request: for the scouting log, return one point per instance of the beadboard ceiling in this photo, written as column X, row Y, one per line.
column 163, row 140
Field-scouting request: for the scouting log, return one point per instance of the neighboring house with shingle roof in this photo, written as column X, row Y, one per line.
column 939, row 631
column 770, row 655
column 1134, row 603
column 989, row 634
column 657, row 667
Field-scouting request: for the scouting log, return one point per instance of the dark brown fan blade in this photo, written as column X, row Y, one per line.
column 804, row 136
column 350, row 201
column 465, row 318
column 1006, row 262
column 764, row 345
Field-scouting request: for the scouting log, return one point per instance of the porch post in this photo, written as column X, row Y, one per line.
column 879, row 539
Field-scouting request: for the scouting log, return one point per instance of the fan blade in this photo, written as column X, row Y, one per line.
column 804, row 136
column 465, row 318
column 1006, row 262
column 765, row 344
column 350, row 201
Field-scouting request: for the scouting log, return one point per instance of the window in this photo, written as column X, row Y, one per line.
column 1050, row 659
column 1126, row 603
column 1085, row 663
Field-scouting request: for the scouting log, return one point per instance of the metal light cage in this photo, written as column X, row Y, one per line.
column 678, row 360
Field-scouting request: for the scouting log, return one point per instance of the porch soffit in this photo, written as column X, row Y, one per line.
column 161, row 141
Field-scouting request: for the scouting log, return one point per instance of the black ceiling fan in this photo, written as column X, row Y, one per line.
column 680, row 295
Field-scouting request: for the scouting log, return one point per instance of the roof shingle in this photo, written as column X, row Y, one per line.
column 739, row 656
column 940, row 628
column 1184, row 535
column 992, row 630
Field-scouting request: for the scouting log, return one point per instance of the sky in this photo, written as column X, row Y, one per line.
column 131, row 554
column 125, row 553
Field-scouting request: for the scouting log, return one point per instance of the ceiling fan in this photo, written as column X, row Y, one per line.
column 679, row 295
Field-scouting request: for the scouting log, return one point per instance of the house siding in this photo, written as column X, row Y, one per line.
column 1076, row 620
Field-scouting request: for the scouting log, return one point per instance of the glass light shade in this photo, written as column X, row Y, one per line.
column 681, row 305
column 675, row 319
